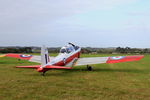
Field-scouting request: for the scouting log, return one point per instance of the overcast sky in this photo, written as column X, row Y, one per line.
column 95, row 23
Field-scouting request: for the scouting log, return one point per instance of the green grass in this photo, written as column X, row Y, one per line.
column 122, row 81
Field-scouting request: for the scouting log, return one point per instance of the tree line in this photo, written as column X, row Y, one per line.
column 87, row 50
column 126, row 50
column 16, row 50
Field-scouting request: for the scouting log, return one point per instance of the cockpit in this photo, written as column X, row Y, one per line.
column 68, row 49
column 63, row 50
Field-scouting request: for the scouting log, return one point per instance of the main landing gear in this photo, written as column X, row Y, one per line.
column 89, row 68
column 43, row 73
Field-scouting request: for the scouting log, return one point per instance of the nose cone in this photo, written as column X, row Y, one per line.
column 40, row 69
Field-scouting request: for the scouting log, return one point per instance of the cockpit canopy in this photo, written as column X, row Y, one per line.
column 67, row 49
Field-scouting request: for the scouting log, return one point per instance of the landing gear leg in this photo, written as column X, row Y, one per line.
column 43, row 73
column 89, row 68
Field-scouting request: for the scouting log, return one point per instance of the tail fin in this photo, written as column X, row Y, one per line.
column 44, row 56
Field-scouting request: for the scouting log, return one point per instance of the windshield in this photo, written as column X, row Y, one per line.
column 70, row 49
column 63, row 51
column 67, row 49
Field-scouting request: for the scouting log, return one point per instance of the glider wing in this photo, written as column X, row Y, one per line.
column 108, row 60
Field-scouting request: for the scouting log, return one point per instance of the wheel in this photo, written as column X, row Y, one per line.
column 43, row 73
column 89, row 68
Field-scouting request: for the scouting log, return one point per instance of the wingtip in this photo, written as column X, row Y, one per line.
column 140, row 56
column 2, row 56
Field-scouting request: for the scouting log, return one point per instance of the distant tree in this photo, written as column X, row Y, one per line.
column 127, row 50
column 120, row 50
column 28, row 50
column 145, row 51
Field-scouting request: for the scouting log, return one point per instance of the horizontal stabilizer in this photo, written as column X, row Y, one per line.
column 45, row 67
column 56, row 67
column 34, row 66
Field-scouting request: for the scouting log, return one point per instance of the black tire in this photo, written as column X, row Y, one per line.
column 89, row 68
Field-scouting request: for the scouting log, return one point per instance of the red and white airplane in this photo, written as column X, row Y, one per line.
column 68, row 57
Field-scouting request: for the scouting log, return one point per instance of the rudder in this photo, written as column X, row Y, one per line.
column 44, row 56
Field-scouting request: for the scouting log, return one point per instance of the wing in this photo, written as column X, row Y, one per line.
column 31, row 58
column 19, row 56
column 99, row 60
column 124, row 59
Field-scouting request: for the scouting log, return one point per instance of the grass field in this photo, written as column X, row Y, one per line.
column 122, row 81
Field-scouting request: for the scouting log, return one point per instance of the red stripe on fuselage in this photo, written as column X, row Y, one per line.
column 68, row 60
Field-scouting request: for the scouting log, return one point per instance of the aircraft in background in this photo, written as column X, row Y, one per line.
column 68, row 57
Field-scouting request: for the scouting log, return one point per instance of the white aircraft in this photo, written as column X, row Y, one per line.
column 68, row 57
